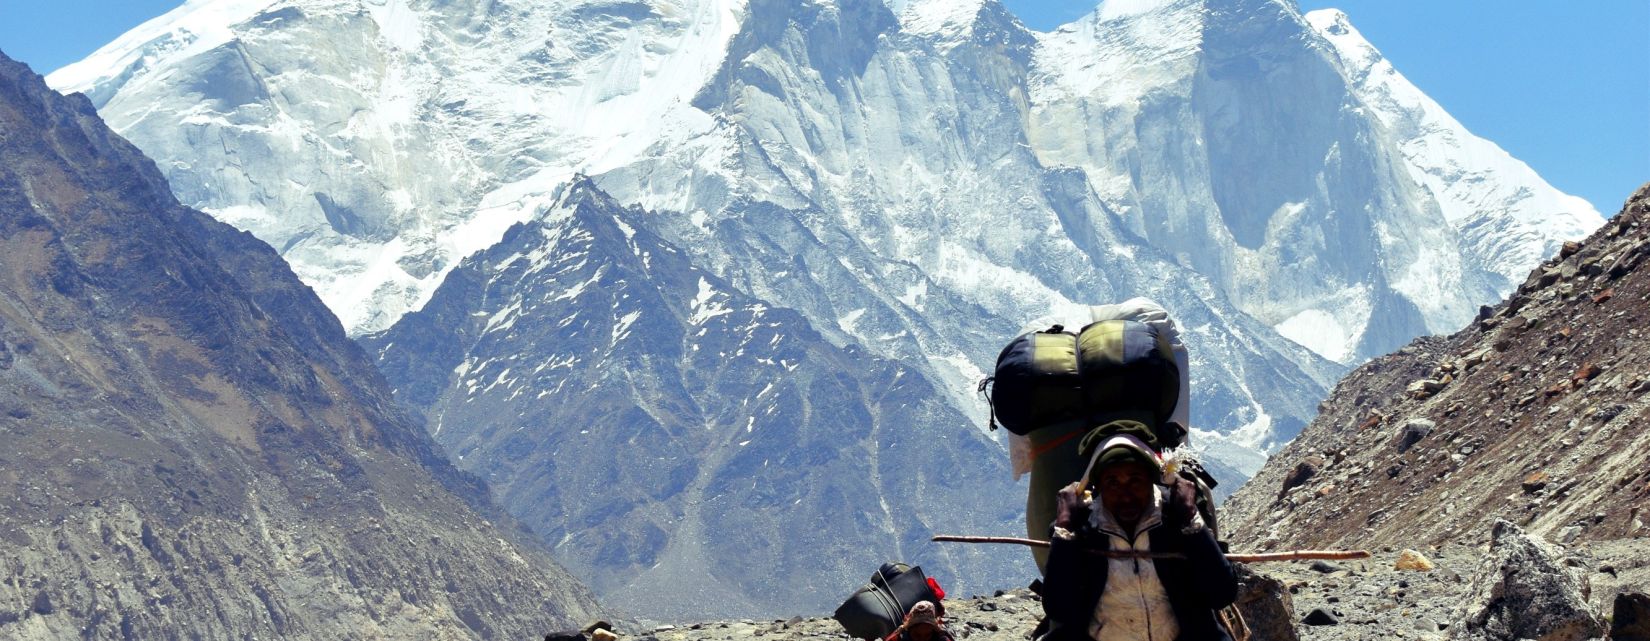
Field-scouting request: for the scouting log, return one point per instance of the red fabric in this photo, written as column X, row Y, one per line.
column 939, row 593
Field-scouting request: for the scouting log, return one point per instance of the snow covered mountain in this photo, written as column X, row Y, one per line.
column 694, row 451
column 1507, row 215
column 911, row 184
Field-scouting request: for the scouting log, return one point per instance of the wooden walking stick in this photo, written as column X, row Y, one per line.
column 1268, row 557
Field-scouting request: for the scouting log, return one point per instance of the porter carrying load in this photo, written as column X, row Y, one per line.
column 1125, row 371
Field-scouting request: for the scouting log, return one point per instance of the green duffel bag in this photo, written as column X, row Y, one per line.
column 1128, row 373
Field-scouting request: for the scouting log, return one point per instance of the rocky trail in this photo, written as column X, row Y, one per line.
column 1513, row 587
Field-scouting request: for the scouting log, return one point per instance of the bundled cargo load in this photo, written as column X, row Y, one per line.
column 1113, row 369
column 878, row 607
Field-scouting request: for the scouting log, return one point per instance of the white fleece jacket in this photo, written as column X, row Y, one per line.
column 1134, row 606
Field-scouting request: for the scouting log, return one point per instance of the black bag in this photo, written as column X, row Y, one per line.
column 878, row 607
column 1036, row 384
column 1112, row 370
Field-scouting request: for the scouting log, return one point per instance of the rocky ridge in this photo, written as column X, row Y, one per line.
column 1536, row 413
column 191, row 447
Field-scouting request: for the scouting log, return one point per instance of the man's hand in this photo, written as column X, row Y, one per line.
column 1180, row 509
column 1069, row 510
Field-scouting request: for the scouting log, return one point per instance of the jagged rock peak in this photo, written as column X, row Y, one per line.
column 721, row 406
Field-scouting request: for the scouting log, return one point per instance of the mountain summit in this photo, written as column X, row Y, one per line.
column 911, row 185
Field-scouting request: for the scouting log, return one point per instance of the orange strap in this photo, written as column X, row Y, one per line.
column 1056, row 443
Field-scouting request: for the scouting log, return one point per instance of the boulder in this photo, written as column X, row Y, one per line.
column 1414, row 430
column 1266, row 606
column 1303, row 472
column 1413, row 561
column 1631, row 619
column 1424, row 388
column 1535, row 481
column 1524, row 590
column 1318, row 616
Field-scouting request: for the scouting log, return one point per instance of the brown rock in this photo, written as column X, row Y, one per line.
column 1425, row 387
column 1605, row 295
column 1535, row 481
column 1587, row 372
column 1267, row 608
column 1303, row 472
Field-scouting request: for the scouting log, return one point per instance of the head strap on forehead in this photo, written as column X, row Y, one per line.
column 1118, row 448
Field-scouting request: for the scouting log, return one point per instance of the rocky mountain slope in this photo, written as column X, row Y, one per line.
column 1536, row 413
column 190, row 446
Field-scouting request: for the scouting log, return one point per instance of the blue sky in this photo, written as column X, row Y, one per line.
column 1563, row 86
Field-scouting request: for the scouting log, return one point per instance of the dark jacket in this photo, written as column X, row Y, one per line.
column 900, row 634
column 1197, row 586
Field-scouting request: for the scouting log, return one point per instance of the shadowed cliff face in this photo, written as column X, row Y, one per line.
column 190, row 447
column 1536, row 413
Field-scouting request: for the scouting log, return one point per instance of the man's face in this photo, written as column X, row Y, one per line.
column 1126, row 490
column 922, row 632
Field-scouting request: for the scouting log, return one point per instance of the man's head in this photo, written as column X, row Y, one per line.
column 1123, row 473
column 1125, row 488
column 922, row 620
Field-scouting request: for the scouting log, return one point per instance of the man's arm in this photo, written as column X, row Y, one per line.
column 1067, row 583
column 1214, row 580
